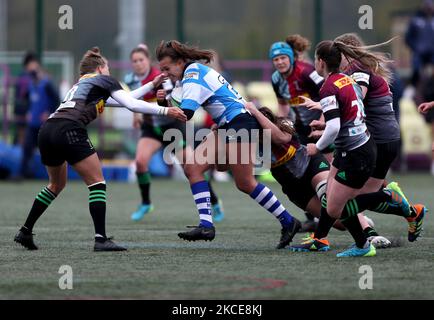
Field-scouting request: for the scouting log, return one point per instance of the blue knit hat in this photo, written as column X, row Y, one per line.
column 281, row 48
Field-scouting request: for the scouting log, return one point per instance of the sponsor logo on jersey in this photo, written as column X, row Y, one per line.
column 191, row 75
column 100, row 106
column 343, row 82
column 329, row 103
column 286, row 157
column 355, row 131
column 361, row 77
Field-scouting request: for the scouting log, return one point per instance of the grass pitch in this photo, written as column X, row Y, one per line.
column 241, row 263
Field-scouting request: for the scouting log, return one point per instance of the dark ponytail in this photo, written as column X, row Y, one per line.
column 330, row 54
column 176, row 50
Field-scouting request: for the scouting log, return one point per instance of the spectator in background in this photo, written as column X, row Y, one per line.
column 420, row 38
column 43, row 99
column 21, row 101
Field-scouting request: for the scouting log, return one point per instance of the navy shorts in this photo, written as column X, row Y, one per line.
column 243, row 128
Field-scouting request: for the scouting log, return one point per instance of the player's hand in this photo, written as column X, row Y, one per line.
column 424, row 107
column 137, row 120
column 309, row 103
column 316, row 134
column 177, row 113
column 214, row 127
column 158, row 80
column 317, row 125
column 161, row 97
column 311, row 149
column 251, row 108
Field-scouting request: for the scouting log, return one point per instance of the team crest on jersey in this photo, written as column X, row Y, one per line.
column 100, row 106
column 191, row 75
column 343, row 82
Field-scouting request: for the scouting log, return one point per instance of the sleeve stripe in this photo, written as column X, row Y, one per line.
column 331, row 114
column 361, row 77
column 329, row 103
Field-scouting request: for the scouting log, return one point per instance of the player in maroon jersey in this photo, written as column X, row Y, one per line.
column 371, row 73
column 294, row 78
column 380, row 116
column 354, row 162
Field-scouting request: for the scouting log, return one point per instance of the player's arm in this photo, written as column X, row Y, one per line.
column 332, row 120
column 194, row 93
column 135, row 105
column 141, row 91
column 277, row 135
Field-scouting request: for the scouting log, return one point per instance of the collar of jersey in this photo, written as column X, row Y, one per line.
column 88, row 75
column 187, row 65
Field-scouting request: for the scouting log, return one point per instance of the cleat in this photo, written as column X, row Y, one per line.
column 141, row 211
column 354, row 251
column 107, row 245
column 398, row 198
column 415, row 223
column 26, row 240
column 380, row 242
column 218, row 211
column 311, row 244
column 308, row 236
column 198, row 233
column 288, row 233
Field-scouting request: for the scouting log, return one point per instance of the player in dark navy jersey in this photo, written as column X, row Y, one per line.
column 63, row 139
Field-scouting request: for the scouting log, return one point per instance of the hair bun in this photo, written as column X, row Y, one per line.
column 95, row 50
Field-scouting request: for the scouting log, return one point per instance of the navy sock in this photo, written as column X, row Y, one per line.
column 202, row 197
column 265, row 197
